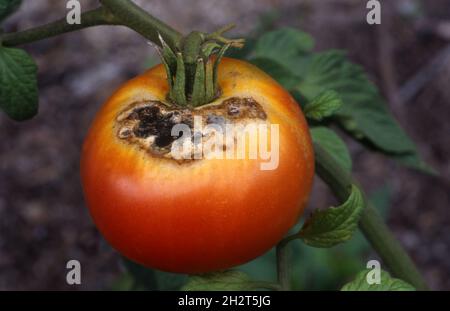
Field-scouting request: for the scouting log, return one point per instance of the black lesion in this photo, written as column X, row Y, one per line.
column 148, row 121
column 153, row 120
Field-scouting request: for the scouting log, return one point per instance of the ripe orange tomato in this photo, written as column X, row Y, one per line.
column 200, row 215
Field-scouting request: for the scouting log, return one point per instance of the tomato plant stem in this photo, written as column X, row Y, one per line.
column 283, row 265
column 371, row 223
column 96, row 17
column 113, row 12
column 134, row 17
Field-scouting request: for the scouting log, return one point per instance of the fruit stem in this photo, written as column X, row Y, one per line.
column 193, row 73
column 192, row 77
column 371, row 223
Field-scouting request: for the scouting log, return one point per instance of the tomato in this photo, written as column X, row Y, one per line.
column 201, row 215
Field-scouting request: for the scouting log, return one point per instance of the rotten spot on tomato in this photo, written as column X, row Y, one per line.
column 151, row 125
column 238, row 107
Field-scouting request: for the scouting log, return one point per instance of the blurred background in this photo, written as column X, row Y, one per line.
column 43, row 218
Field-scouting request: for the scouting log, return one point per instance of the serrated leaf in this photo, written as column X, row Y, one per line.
column 277, row 71
column 387, row 283
column 333, row 144
column 18, row 84
column 283, row 45
column 322, row 106
column 326, row 228
column 7, row 7
column 362, row 103
column 379, row 127
column 227, row 280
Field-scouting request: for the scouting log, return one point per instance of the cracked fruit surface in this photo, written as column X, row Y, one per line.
column 198, row 214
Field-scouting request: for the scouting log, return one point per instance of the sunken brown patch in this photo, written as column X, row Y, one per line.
column 149, row 124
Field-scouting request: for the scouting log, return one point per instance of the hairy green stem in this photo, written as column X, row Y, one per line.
column 283, row 264
column 371, row 223
column 113, row 12
column 99, row 16
column 134, row 17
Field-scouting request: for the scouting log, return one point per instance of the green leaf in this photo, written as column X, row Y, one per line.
column 18, row 84
column 277, row 71
column 227, row 280
column 413, row 160
column 333, row 144
column 285, row 54
column 326, row 228
column 363, row 111
column 323, row 105
column 379, row 127
column 283, row 45
column 387, row 283
column 7, row 7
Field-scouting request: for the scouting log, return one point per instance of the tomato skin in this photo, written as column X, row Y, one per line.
column 208, row 215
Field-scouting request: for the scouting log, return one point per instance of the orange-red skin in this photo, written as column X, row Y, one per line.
column 208, row 215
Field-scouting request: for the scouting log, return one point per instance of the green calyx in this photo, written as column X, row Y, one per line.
column 192, row 69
